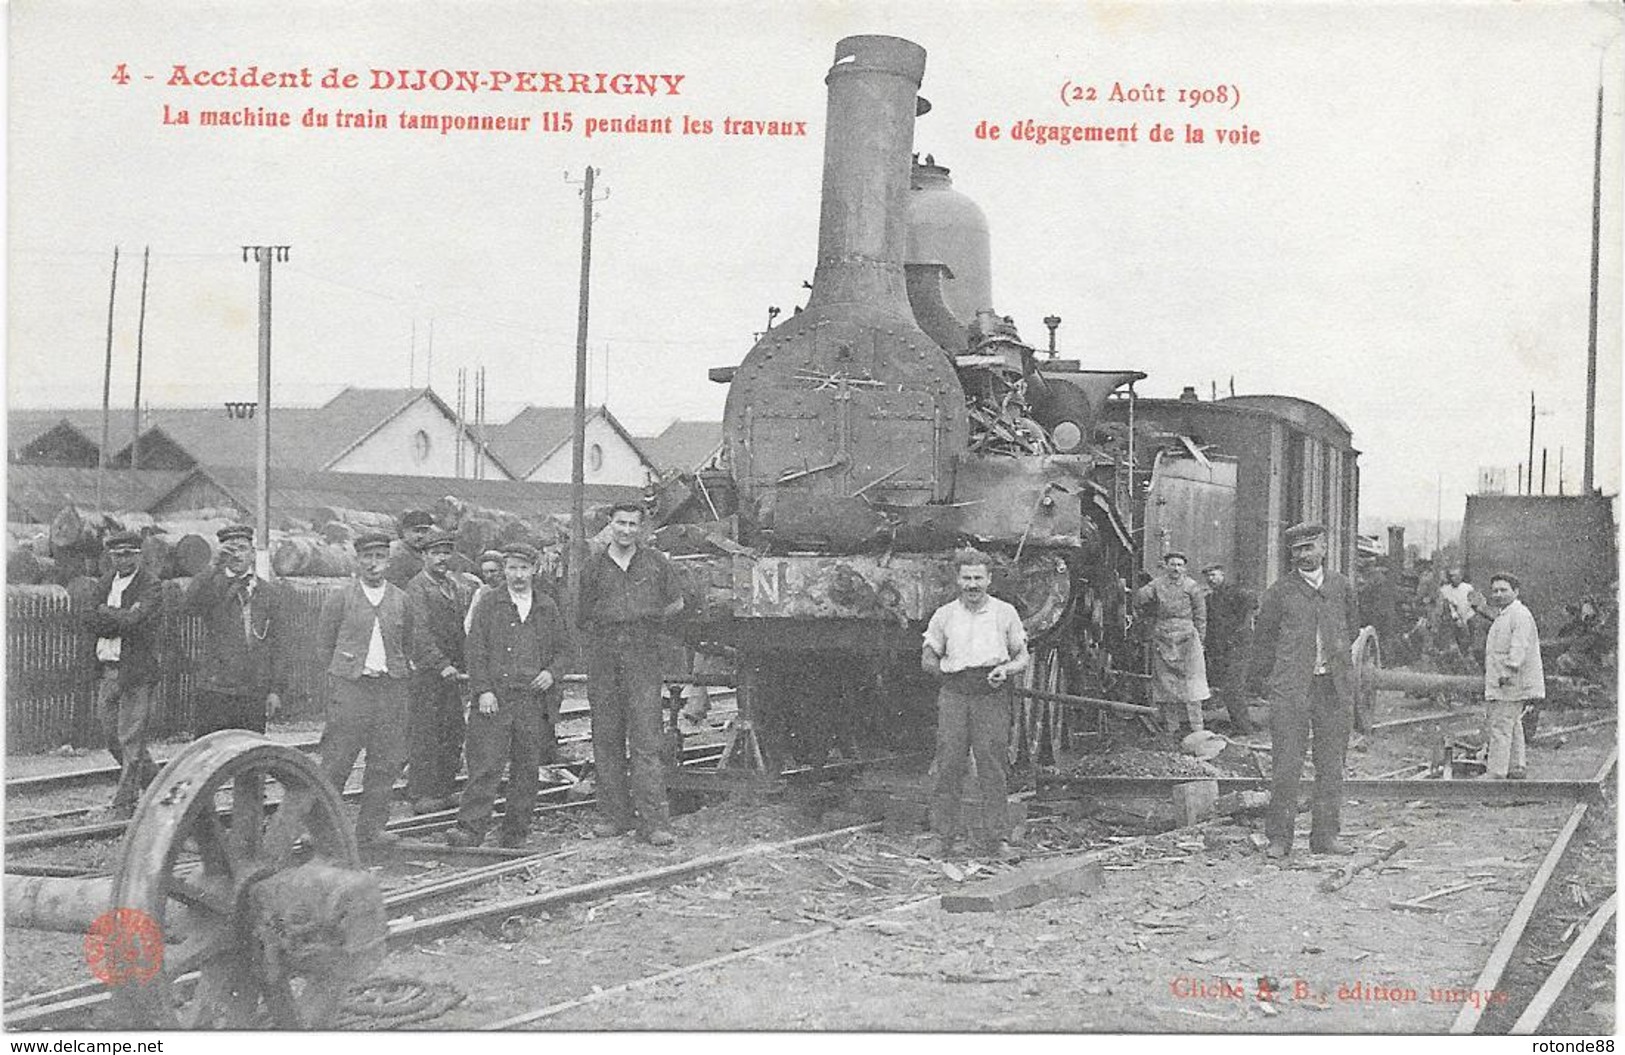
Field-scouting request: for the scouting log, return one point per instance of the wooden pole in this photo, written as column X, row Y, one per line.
column 1591, row 343
column 578, row 501
column 107, row 382
column 140, row 338
column 264, row 255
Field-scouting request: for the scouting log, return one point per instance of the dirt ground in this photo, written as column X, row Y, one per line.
column 1188, row 930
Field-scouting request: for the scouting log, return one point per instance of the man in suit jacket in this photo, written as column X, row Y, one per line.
column 362, row 637
column 243, row 671
column 440, row 601
column 125, row 623
column 1301, row 648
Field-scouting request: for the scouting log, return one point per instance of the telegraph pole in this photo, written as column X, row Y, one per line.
column 140, row 336
column 107, row 383
column 264, row 255
column 1591, row 346
column 578, row 474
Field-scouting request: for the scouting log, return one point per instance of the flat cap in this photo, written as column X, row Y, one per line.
column 1215, row 566
column 416, row 518
column 372, row 540
column 1298, row 534
column 522, row 550
column 491, row 554
column 438, row 539
column 124, row 540
column 235, row 531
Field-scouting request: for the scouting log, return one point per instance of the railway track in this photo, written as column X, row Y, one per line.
column 67, row 1006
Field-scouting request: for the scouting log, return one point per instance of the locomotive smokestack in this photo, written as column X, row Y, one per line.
column 868, row 147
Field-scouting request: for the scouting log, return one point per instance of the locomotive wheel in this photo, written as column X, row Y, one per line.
column 1039, row 727
column 1367, row 660
column 204, row 907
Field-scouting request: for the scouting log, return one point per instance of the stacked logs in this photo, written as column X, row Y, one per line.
column 184, row 544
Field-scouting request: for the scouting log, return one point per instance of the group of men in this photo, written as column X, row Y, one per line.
column 1297, row 656
column 424, row 664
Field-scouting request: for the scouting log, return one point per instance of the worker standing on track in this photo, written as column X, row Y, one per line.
column 440, row 600
column 1177, row 611
column 1229, row 625
column 1301, row 652
column 515, row 642
column 362, row 638
column 628, row 592
column 125, row 625
column 973, row 643
column 244, row 670
column 1513, row 677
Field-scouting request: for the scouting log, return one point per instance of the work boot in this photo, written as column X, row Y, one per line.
column 935, row 846
column 422, row 806
column 660, row 837
column 1334, row 847
column 1517, row 774
column 609, row 829
column 1001, row 851
column 379, row 840
column 513, row 840
column 462, row 837
column 1277, row 851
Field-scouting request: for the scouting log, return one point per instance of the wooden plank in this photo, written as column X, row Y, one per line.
column 1051, row 788
column 1467, row 1020
column 1029, row 885
column 1553, row 987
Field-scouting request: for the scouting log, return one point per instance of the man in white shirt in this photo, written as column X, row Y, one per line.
column 1513, row 677
column 1456, row 599
column 973, row 643
column 362, row 638
column 125, row 626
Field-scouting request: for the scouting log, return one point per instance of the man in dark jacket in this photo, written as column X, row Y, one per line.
column 362, row 638
column 406, row 559
column 243, row 671
column 439, row 598
column 515, row 641
column 1301, row 654
column 124, row 621
column 1229, row 625
column 628, row 592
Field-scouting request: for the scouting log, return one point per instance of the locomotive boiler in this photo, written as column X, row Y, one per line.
column 896, row 418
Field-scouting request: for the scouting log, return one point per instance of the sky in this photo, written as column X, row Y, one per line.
column 1407, row 242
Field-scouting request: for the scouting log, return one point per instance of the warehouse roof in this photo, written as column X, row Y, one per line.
column 684, row 446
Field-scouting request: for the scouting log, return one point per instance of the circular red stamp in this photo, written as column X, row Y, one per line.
column 124, row 945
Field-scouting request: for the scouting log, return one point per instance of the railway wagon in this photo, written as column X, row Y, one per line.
column 1223, row 479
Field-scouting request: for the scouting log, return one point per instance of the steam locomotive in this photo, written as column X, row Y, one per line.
column 898, row 416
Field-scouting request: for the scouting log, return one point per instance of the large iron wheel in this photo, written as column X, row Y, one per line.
column 189, row 863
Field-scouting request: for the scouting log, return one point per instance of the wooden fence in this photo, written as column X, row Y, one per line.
column 51, row 665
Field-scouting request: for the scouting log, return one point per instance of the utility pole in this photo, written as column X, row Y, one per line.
column 140, row 337
column 1591, row 344
column 1531, row 461
column 578, row 475
column 264, row 255
column 107, row 383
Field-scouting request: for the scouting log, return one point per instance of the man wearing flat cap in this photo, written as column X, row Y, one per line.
column 406, row 559
column 243, row 670
column 1301, row 643
column 440, row 599
column 362, row 638
column 1176, row 611
column 125, row 625
column 516, row 639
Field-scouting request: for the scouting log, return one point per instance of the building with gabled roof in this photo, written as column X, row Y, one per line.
column 60, row 437
column 535, row 445
column 410, row 431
